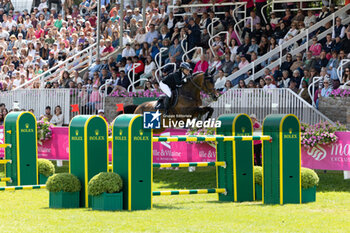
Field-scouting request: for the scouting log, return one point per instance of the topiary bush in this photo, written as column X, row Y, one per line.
column 105, row 182
column 65, row 182
column 309, row 178
column 258, row 175
column 46, row 167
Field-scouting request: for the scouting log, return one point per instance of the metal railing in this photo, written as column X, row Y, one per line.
column 162, row 67
column 185, row 55
column 298, row 5
column 340, row 69
column 239, row 31
column 89, row 101
column 38, row 99
column 81, row 58
column 132, row 80
column 211, row 26
column 279, row 50
column 263, row 102
column 159, row 54
column 218, row 34
column 237, row 5
column 315, row 81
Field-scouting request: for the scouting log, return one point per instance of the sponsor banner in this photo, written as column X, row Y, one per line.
column 177, row 152
column 328, row 157
column 335, row 156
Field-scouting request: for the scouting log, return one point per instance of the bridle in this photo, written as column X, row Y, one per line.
column 201, row 89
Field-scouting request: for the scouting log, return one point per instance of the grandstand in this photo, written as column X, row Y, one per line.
column 49, row 54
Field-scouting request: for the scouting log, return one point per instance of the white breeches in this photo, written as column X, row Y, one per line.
column 165, row 88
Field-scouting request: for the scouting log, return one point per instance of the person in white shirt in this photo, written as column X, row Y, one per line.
column 10, row 23
column 20, row 42
column 269, row 84
column 220, row 82
column 4, row 33
column 128, row 51
column 42, row 5
column 149, row 68
column 57, row 118
column 17, row 81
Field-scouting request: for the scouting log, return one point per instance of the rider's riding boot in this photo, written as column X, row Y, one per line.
column 166, row 104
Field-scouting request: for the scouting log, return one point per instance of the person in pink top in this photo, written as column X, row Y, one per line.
column 257, row 144
column 315, row 48
column 202, row 65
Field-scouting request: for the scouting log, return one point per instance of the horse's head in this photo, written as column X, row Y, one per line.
column 208, row 85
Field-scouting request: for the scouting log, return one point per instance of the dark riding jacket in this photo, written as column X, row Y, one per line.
column 173, row 80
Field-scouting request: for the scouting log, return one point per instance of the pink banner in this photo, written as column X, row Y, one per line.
column 335, row 156
column 330, row 157
column 176, row 152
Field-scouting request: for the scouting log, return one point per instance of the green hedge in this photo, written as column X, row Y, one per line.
column 46, row 167
column 258, row 175
column 309, row 177
column 105, row 182
column 65, row 182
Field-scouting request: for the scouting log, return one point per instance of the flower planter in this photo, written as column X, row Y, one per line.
column 258, row 192
column 107, row 201
column 64, row 200
column 42, row 179
column 308, row 195
column 140, row 100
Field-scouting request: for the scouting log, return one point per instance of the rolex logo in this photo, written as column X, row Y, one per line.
column 243, row 129
column 97, row 132
column 290, row 130
column 141, row 132
column 120, row 132
column 76, row 132
column 27, row 125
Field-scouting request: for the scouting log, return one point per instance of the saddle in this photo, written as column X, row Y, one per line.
column 173, row 100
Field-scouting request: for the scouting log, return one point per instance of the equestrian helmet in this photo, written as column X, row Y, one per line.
column 186, row 65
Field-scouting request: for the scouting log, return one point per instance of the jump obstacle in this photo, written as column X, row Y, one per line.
column 132, row 158
column 21, row 167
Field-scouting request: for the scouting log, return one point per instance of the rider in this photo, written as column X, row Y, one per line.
column 174, row 80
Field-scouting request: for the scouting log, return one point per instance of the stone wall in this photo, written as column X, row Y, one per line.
column 111, row 108
column 336, row 109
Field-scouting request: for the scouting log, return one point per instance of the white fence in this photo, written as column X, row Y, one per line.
column 38, row 99
column 263, row 102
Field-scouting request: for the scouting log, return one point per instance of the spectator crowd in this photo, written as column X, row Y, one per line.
column 34, row 42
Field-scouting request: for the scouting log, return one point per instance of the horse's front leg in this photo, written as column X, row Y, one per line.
column 204, row 110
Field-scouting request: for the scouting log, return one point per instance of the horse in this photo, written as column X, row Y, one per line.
column 189, row 103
